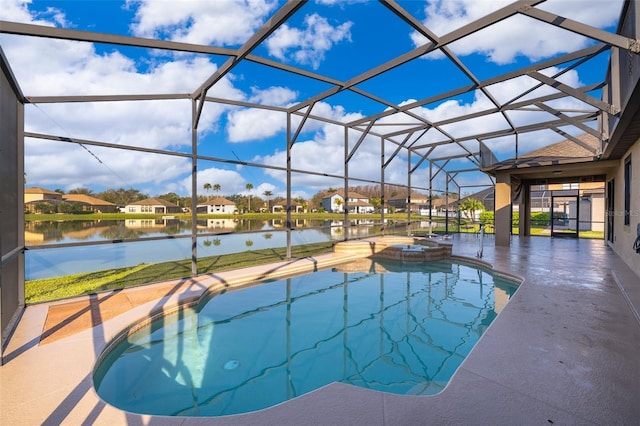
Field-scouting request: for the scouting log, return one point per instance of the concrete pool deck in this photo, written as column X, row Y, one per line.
column 564, row 350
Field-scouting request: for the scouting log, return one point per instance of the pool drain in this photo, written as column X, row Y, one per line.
column 231, row 365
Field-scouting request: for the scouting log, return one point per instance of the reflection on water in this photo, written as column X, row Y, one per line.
column 53, row 232
column 229, row 236
column 56, row 232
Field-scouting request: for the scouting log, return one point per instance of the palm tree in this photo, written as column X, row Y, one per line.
column 469, row 206
column 249, row 187
column 338, row 202
column 302, row 203
column 207, row 187
column 217, row 187
column 268, row 195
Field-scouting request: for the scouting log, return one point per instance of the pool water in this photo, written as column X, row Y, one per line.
column 391, row 327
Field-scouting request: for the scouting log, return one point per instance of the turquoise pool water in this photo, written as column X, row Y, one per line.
column 390, row 326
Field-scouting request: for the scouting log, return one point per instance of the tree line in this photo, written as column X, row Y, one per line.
column 246, row 203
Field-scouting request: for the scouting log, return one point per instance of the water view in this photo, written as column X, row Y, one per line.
column 130, row 242
column 60, row 232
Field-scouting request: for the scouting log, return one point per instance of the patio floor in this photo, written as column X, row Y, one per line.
column 565, row 350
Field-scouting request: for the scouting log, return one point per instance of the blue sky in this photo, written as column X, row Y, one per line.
column 337, row 39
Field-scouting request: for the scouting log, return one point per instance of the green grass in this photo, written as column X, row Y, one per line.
column 546, row 232
column 47, row 289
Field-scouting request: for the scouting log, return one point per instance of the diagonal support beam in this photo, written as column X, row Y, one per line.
column 577, row 141
column 494, row 80
column 603, row 106
column 360, row 140
column 300, row 126
column 419, row 27
column 622, row 42
column 569, row 120
column 422, row 159
column 258, row 37
column 402, row 145
column 459, row 33
column 440, row 168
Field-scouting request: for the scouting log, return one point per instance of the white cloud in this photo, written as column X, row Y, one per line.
column 95, row 166
column 254, row 124
column 76, row 68
column 220, row 22
column 278, row 96
column 519, row 36
column 258, row 124
column 307, row 45
column 66, row 67
column 18, row 11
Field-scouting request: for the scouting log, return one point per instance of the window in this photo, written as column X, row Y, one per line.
column 627, row 191
column 570, row 186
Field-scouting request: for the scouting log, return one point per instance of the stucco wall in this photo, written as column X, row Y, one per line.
column 624, row 236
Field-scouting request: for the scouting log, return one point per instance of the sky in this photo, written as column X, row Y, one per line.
column 339, row 39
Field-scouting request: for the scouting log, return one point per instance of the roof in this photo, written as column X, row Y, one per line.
column 38, row 190
column 218, row 201
column 350, row 194
column 153, row 202
column 87, row 199
column 573, row 150
column 481, row 195
column 358, row 204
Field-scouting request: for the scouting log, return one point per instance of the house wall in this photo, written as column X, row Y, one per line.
column 220, row 209
column 41, row 197
column 329, row 204
column 137, row 209
column 625, row 236
column 33, row 197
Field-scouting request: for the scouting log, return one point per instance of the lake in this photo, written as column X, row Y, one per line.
column 52, row 248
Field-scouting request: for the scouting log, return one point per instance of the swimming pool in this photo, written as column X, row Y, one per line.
column 382, row 325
